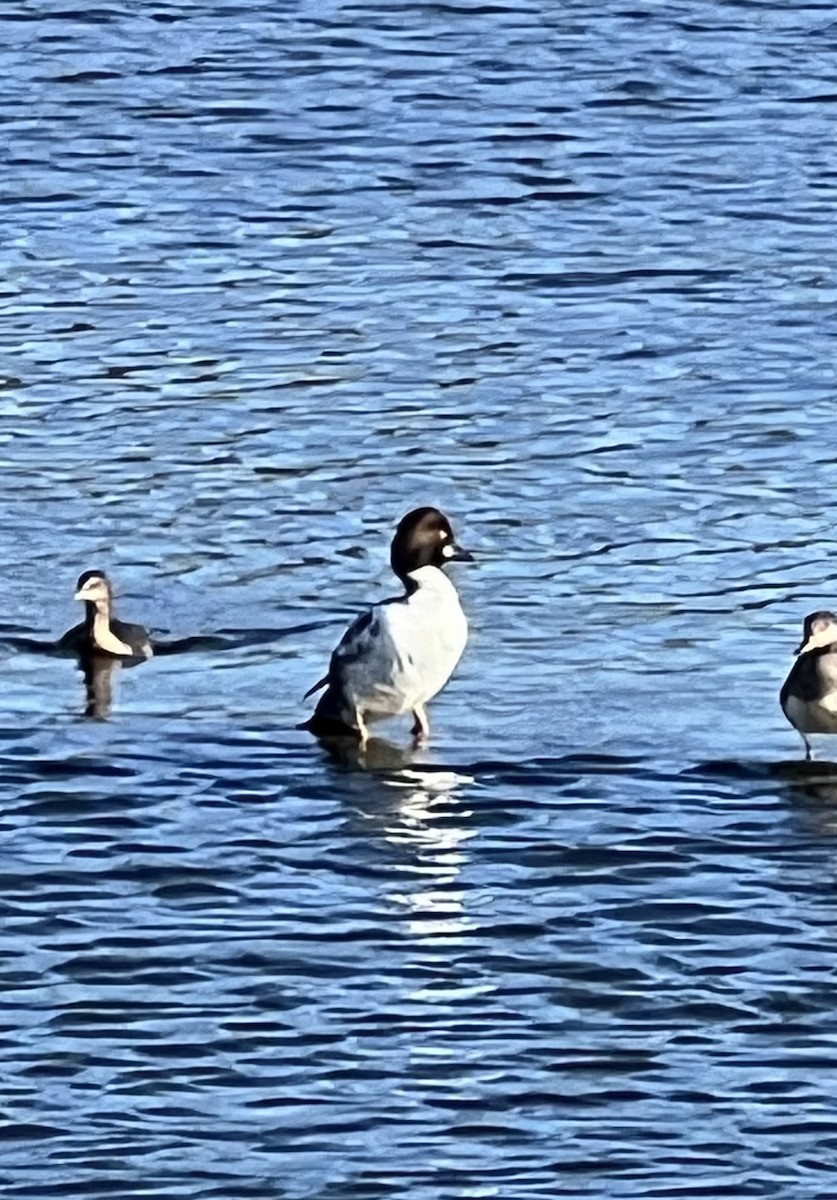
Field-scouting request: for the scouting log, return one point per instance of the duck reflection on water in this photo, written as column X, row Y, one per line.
column 427, row 820
column 98, row 685
column 416, row 810
column 811, row 788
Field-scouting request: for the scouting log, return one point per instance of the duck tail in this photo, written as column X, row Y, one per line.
column 326, row 719
column 324, row 726
column 316, row 687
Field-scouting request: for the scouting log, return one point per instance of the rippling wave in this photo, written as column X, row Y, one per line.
column 273, row 274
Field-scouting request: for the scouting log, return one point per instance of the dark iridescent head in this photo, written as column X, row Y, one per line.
column 424, row 538
column 818, row 630
column 93, row 587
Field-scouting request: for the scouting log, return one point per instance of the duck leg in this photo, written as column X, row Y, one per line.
column 421, row 725
column 808, row 753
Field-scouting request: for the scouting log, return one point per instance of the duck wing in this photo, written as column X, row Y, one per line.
column 134, row 636
column 73, row 640
column 358, row 642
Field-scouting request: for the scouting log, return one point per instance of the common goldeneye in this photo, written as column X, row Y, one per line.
column 809, row 694
column 399, row 654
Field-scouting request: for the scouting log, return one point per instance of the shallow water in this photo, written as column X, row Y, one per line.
column 273, row 274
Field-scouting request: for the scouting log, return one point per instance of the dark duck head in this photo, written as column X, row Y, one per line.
column 819, row 630
column 93, row 587
column 424, row 538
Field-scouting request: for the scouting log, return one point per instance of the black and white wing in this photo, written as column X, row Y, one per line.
column 358, row 642
column 134, row 636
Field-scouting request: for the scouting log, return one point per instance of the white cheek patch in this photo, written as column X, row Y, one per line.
column 448, row 551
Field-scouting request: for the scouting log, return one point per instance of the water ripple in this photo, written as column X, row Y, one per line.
column 273, row 275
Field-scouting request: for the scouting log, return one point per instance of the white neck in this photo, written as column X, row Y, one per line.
column 104, row 637
column 432, row 578
column 827, row 669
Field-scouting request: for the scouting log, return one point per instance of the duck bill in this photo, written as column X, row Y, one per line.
column 91, row 593
column 823, row 637
column 456, row 553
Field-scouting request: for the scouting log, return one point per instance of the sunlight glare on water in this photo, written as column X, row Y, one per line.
column 275, row 273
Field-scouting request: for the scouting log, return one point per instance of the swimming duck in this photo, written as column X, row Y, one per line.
column 809, row 694
column 396, row 656
column 101, row 632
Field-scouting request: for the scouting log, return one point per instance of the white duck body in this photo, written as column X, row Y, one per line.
column 401, row 653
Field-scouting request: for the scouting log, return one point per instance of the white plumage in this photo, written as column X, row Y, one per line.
column 399, row 654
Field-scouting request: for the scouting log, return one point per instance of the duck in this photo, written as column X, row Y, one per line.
column 100, row 633
column 809, row 694
column 395, row 657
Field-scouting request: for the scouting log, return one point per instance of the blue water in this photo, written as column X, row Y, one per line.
column 274, row 273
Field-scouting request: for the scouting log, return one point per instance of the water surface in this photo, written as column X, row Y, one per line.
column 274, row 273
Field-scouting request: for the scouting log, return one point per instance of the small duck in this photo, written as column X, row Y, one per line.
column 101, row 632
column 396, row 656
column 809, row 694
